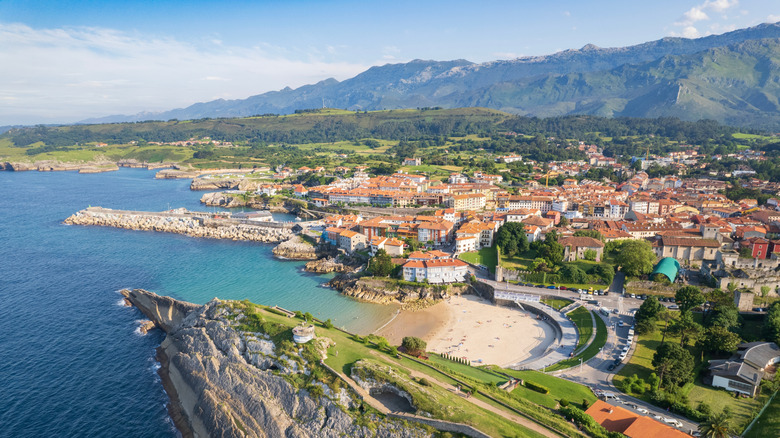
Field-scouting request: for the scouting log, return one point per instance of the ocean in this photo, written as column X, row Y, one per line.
column 72, row 361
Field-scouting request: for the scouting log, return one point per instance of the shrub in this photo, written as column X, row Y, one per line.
column 424, row 382
column 328, row 324
column 413, row 345
column 538, row 388
column 563, row 402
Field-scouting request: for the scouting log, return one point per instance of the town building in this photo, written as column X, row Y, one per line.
column 743, row 372
column 436, row 271
column 576, row 247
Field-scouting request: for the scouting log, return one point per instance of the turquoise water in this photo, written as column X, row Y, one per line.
column 71, row 360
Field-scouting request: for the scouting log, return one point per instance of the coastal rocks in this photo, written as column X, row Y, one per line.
column 18, row 167
column 340, row 264
column 296, row 249
column 214, row 391
column 188, row 223
column 220, row 199
column 215, row 183
column 234, row 200
column 386, row 291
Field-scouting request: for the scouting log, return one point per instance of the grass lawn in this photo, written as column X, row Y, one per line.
column 641, row 365
column 588, row 353
column 485, row 256
column 768, row 424
column 559, row 389
column 581, row 317
column 521, row 262
column 557, row 303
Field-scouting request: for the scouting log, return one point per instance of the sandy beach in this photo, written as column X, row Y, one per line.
column 471, row 327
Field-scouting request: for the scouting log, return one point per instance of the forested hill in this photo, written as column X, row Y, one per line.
column 328, row 125
column 731, row 78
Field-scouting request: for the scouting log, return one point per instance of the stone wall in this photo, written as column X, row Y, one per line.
column 442, row 425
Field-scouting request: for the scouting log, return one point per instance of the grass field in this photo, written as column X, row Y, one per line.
column 641, row 365
column 768, row 424
column 557, row 303
column 559, row 389
column 581, row 317
column 485, row 256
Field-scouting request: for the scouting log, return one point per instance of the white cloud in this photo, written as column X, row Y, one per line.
column 68, row 74
column 720, row 5
column 773, row 18
column 693, row 15
column 699, row 13
column 567, row 13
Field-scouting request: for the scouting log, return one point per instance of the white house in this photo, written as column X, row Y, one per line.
column 436, row 271
column 743, row 372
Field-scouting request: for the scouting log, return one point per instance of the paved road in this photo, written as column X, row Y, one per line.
column 595, row 375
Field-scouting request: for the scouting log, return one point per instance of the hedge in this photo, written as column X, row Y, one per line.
column 538, row 388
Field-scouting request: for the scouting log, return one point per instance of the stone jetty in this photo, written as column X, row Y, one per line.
column 181, row 221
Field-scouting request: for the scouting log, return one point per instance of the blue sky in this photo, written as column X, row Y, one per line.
column 72, row 60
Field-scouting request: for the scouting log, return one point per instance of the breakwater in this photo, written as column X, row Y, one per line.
column 180, row 221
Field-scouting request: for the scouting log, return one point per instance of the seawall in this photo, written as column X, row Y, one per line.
column 192, row 224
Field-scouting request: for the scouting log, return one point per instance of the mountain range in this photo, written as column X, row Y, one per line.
column 733, row 78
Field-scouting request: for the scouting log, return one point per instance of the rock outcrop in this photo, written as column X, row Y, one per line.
column 296, row 248
column 188, row 223
column 216, row 391
column 340, row 264
column 383, row 291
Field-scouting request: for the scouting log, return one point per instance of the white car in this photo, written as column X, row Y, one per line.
column 642, row 410
column 673, row 421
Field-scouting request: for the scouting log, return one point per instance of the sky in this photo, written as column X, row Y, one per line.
column 65, row 61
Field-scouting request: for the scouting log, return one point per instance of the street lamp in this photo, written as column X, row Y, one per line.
column 580, row 364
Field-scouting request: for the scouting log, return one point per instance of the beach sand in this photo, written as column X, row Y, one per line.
column 471, row 327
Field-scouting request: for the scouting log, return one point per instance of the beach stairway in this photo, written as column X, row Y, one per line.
column 570, row 307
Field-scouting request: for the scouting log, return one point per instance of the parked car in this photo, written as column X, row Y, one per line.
column 617, row 361
column 611, row 367
column 540, row 286
column 642, row 410
column 643, row 296
column 552, row 287
column 633, row 295
column 674, row 307
column 606, row 292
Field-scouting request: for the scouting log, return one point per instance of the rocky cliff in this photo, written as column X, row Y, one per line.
column 385, row 291
column 186, row 223
column 228, row 382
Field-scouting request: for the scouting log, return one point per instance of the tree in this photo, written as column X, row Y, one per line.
column 564, row 222
column 589, row 233
column 590, row 254
column 674, row 364
column 648, row 314
column 688, row 297
column 413, row 345
column 725, row 315
column 381, row 265
column 606, row 272
column 636, row 257
column 716, row 426
column 573, row 274
column 719, row 339
column 686, row 328
column 772, row 324
column 511, row 238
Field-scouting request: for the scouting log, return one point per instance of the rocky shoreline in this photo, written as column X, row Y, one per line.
column 386, row 291
column 223, row 381
column 88, row 167
column 190, row 224
column 295, row 248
